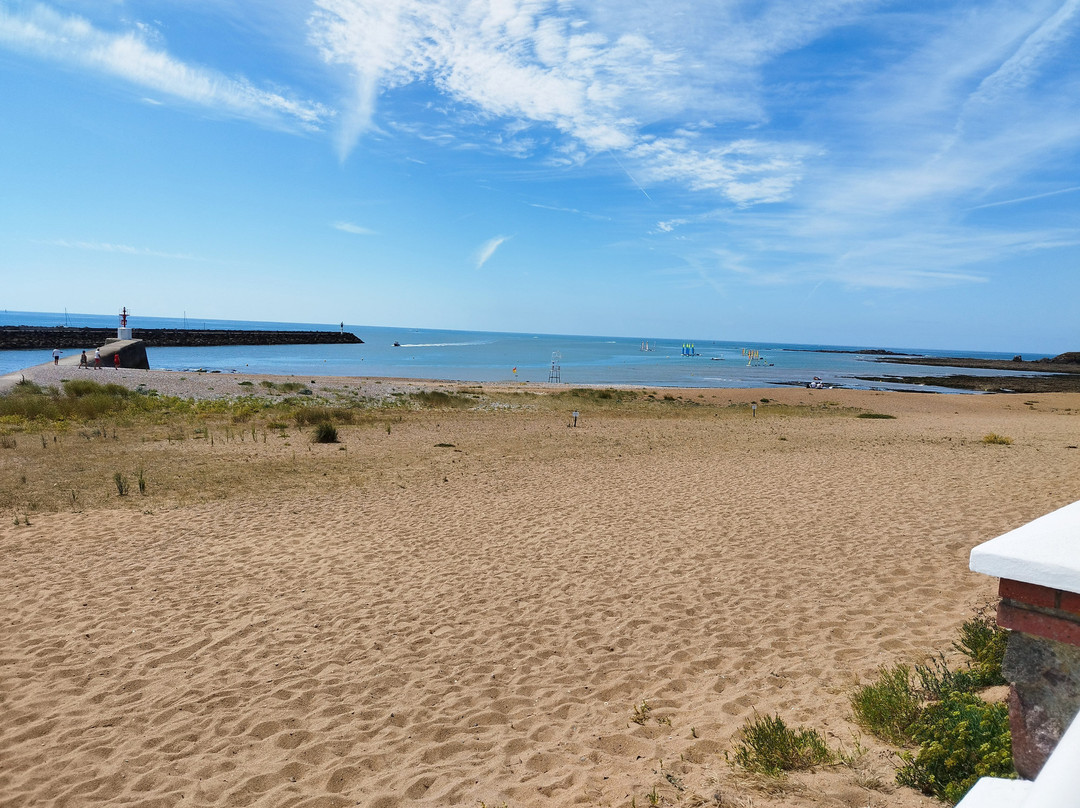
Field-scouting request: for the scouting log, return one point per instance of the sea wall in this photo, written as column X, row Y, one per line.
column 37, row 337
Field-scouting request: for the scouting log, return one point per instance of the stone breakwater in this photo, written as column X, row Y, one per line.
column 36, row 337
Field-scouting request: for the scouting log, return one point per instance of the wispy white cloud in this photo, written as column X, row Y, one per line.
column 670, row 225
column 981, row 103
column 129, row 56
column 488, row 248
column 590, row 86
column 355, row 229
column 1028, row 60
column 123, row 249
column 575, row 211
column 1030, row 198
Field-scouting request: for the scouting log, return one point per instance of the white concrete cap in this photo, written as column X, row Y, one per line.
column 996, row 792
column 1045, row 552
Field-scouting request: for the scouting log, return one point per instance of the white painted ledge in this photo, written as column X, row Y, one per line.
column 995, row 792
column 1045, row 552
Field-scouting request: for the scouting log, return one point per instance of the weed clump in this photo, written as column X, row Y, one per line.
column 770, row 747
column 994, row 438
column 325, row 433
column 641, row 713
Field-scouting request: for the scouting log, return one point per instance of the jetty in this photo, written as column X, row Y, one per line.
column 29, row 337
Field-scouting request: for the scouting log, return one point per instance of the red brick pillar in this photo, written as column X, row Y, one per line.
column 1042, row 663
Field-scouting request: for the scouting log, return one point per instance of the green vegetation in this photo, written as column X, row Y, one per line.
column 959, row 737
column 995, row 439
column 889, row 706
column 437, row 399
column 325, row 433
column 876, row 415
column 983, row 642
column 318, row 414
column 81, row 400
column 282, row 387
column 769, row 746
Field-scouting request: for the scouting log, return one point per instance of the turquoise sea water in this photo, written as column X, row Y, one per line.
column 486, row 356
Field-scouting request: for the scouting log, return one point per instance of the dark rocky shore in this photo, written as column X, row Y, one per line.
column 20, row 337
column 1059, row 374
column 1062, row 363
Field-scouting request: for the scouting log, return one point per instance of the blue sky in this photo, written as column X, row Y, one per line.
column 901, row 174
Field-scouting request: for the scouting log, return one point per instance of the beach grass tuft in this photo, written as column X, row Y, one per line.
column 889, row 706
column 768, row 746
column 325, row 432
column 994, row 438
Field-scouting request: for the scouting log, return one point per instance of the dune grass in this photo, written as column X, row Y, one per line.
column 768, row 746
column 957, row 736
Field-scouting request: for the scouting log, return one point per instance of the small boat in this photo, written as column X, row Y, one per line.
column 397, row 344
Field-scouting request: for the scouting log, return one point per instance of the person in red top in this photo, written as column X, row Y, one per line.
column 116, row 360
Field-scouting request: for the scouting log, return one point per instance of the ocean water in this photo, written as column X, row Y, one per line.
column 487, row 356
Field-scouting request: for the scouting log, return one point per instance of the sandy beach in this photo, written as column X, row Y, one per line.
column 470, row 605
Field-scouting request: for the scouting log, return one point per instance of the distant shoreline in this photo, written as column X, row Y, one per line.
column 860, row 351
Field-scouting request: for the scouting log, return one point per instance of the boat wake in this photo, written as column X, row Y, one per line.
column 439, row 344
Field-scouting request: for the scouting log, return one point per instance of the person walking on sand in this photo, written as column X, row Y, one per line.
column 97, row 358
column 82, row 361
column 56, row 356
